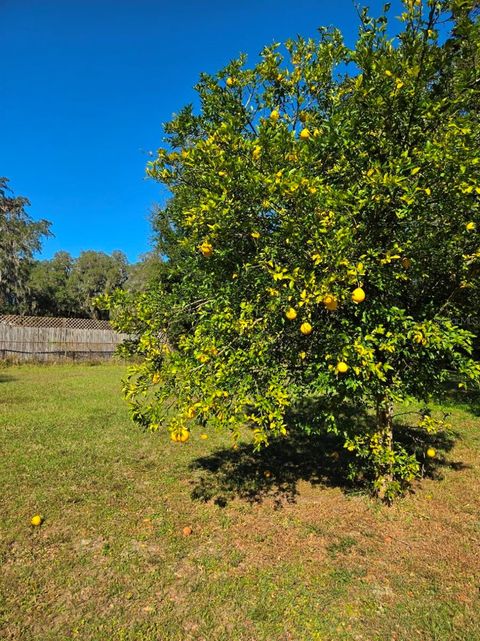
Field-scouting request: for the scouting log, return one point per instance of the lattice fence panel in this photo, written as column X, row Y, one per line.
column 51, row 321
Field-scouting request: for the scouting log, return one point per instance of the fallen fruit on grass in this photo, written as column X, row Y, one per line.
column 187, row 531
column 204, row 437
column 358, row 295
column 37, row 520
column 431, row 452
column 306, row 329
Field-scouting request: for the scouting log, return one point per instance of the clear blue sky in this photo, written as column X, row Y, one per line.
column 86, row 85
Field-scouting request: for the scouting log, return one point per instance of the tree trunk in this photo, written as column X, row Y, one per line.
column 385, row 433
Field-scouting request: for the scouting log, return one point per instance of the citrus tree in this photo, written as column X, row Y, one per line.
column 322, row 233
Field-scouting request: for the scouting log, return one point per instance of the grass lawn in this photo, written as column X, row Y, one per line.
column 280, row 552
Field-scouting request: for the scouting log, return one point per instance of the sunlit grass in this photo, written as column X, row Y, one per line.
column 295, row 557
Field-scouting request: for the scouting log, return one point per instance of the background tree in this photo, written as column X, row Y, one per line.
column 64, row 286
column 96, row 273
column 144, row 273
column 20, row 238
column 322, row 228
column 49, row 291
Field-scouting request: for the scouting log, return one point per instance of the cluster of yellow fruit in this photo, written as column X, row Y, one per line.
column 305, row 133
column 330, row 302
column 180, row 436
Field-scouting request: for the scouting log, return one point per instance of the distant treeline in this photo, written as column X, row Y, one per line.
column 63, row 285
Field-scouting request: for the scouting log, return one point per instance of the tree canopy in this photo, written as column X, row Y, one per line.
column 321, row 238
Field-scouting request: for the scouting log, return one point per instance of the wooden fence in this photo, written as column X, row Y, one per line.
column 55, row 340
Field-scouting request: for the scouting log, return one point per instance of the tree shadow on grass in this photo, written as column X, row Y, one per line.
column 272, row 472
column 320, row 459
column 468, row 400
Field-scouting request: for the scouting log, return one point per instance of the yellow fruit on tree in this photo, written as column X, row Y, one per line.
column 291, row 314
column 36, row 520
column 470, row 226
column 191, row 412
column 180, row 436
column 342, row 367
column 358, row 295
column 303, row 355
column 306, row 328
column 330, row 302
column 305, row 134
column 184, row 436
column 431, row 452
column 274, row 115
column 230, row 82
column 206, row 249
